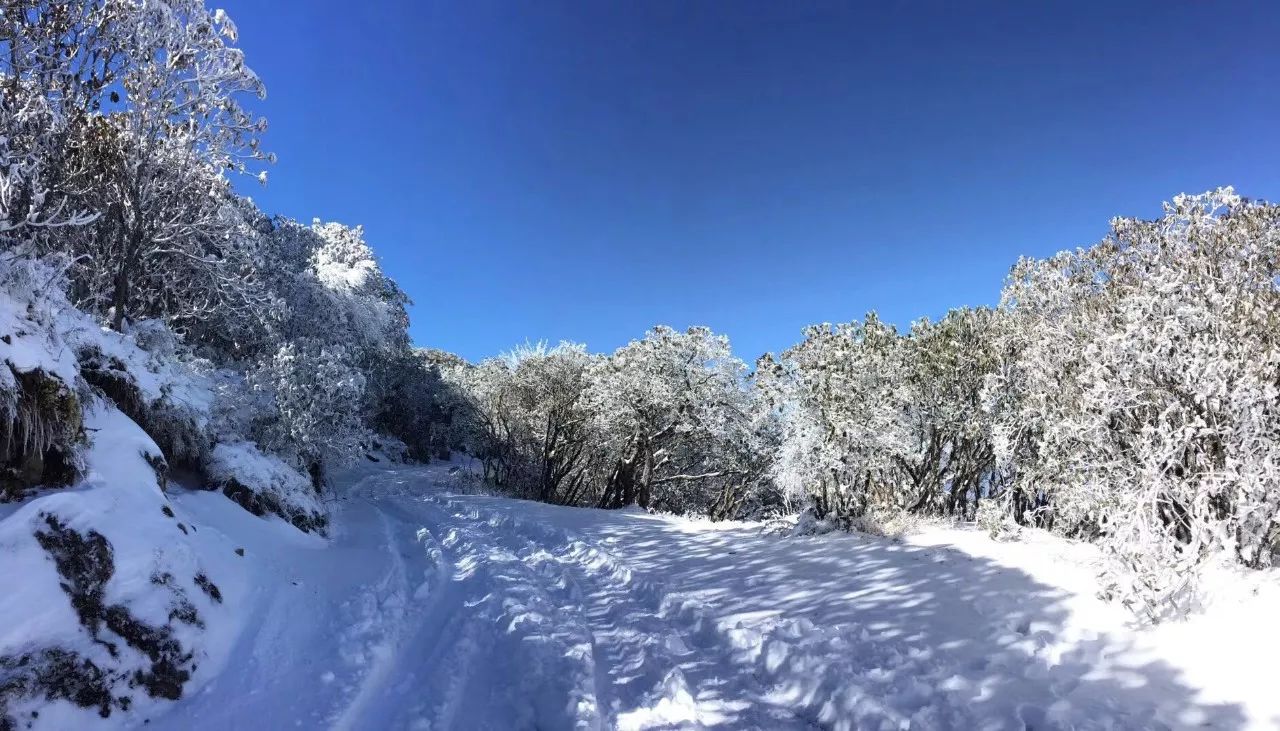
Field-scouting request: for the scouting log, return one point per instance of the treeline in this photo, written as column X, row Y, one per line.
column 121, row 132
column 1125, row 394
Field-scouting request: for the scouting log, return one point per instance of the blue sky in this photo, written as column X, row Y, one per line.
column 583, row 171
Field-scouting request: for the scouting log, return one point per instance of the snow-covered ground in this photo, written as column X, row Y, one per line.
column 433, row 609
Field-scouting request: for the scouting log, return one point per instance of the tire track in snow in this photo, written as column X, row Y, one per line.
column 382, row 615
column 548, row 630
column 490, row 650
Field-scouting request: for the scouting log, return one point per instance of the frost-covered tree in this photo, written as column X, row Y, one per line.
column 330, row 289
column 529, row 421
column 1139, row 400
column 669, row 421
column 547, row 389
column 874, row 420
column 316, row 392
column 841, row 416
column 145, row 122
column 944, row 453
column 672, row 410
column 416, row 404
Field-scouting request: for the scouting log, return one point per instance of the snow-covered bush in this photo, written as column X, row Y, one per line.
column 872, row 420
column 996, row 519
column 416, row 404
column 529, row 424
column 667, row 422
column 676, row 423
column 1140, row 402
column 316, row 393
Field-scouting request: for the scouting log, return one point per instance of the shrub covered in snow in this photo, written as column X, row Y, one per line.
column 873, row 420
column 997, row 520
column 663, row 422
column 1140, row 401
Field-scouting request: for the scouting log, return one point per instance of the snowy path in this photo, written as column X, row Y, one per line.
column 430, row 610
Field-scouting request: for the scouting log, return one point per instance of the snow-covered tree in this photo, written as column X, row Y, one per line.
column 145, row 122
column 672, row 411
column 872, row 420
column 944, row 453
column 316, row 392
column 1139, row 400
column 841, row 415
column 330, row 289
column 529, row 421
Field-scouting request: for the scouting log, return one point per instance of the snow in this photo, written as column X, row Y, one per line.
column 432, row 608
column 121, row 499
column 264, row 473
column 31, row 345
column 43, row 331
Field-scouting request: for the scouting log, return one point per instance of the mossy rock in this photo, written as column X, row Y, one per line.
column 42, row 435
column 261, row 504
column 109, row 375
column 85, row 563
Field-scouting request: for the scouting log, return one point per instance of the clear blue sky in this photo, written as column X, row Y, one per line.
column 582, row 171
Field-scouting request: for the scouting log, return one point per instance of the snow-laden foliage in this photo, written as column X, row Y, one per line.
column 141, row 122
column 1139, row 401
column 334, row 303
column 528, row 421
column 678, row 423
column 665, row 422
column 332, row 288
column 316, row 395
column 873, row 420
column 837, row 390
column 413, row 403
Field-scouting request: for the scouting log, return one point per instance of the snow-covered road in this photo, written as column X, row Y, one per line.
column 431, row 609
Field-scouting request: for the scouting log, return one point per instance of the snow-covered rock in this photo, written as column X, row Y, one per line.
column 265, row 485
column 111, row 607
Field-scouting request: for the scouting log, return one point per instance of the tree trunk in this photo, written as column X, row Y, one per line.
column 120, row 297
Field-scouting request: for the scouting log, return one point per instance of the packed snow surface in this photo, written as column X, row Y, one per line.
column 429, row 608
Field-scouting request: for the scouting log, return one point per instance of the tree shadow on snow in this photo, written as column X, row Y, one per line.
column 929, row 635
